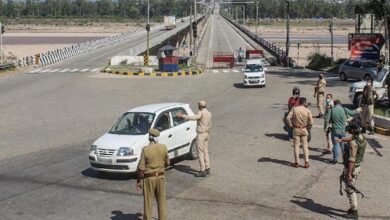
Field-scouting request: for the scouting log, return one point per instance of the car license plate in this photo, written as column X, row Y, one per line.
column 253, row 81
column 104, row 160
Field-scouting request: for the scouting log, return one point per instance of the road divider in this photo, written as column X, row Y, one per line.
column 155, row 74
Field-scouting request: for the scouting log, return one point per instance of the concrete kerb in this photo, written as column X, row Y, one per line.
column 382, row 125
column 155, row 74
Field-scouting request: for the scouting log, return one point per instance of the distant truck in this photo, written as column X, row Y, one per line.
column 170, row 22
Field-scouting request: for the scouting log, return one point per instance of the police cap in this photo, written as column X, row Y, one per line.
column 202, row 103
column 154, row 132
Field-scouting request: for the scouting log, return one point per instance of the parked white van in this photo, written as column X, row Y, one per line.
column 254, row 73
column 119, row 149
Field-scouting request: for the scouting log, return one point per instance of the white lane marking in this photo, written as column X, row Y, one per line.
column 35, row 71
column 94, row 70
column 215, row 71
column 64, row 70
column 84, row 70
column 224, row 34
column 46, row 70
column 225, row 71
column 334, row 77
column 235, row 71
column 74, row 70
column 55, row 70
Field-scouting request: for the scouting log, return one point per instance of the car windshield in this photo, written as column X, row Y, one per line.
column 133, row 123
column 382, row 74
column 253, row 68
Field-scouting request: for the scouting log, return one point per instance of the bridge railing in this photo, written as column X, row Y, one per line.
column 277, row 52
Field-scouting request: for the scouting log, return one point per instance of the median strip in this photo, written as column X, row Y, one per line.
column 155, row 74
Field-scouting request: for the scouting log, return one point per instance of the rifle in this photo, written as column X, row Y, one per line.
column 343, row 178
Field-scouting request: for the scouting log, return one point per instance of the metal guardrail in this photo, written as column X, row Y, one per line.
column 53, row 56
column 6, row 66
column 280, row 54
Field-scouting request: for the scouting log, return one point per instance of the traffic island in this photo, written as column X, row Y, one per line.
column 382, row 120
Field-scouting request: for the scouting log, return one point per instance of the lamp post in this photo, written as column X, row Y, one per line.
column 257, row 17
column 288, row 28
column 387, row 35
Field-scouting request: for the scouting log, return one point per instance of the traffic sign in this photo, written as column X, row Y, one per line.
column 365, row 46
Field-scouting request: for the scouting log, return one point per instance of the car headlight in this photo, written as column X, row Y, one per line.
column 245, row 77
column 125, row 151
column 262, row 76
column 93, row 148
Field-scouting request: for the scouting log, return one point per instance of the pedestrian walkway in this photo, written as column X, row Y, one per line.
column 66, row 70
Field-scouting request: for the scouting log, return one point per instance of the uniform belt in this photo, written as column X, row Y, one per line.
column 147, row 175
column 301, row 127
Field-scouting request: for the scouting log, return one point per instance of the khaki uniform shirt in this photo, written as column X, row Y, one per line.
column 299, row 116
column 154, row 158
column 321, row 84
column 203, row 118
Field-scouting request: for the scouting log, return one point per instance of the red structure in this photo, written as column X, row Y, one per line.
column 221, row 60
column 254, row 53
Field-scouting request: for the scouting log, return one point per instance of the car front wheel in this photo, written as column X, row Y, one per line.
column 193, row 154
column 343, row 77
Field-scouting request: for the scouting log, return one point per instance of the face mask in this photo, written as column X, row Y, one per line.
column 328, row 101
column 155, row 139
column 369, row 84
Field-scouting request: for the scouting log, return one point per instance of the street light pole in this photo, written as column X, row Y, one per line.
column 243, row 15
column 288, row 29
column 148, row 10
column 387, row 35
column 257, row 17
column 196, row 22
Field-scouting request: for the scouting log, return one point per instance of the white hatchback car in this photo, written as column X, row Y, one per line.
column 254, row 73
column 119, row 150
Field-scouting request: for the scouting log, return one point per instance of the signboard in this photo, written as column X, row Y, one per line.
column 365, row 46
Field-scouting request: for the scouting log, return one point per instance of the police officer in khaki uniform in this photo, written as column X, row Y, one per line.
column 353, row 158
column 319, row 92
column 301, row 120
column 151, row 167
column 203, row 118
column 367, row 104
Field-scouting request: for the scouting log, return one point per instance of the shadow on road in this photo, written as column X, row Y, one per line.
column 119, row 215
column 310, row 205
column 239, row 86
column 279, row 136
column 107, row 176
column 184, row 169
column 271, row 160
column 375, row 145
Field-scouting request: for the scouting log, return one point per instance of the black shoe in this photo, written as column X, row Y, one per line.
column 201, row 174
column 208, row 171
column 334, row 162
column 371, row 131
column 349, row 211
column 352, row 215
column 363, row 130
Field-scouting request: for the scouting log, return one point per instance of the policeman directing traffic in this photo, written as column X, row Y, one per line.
column 203, row 118
column 151, row 168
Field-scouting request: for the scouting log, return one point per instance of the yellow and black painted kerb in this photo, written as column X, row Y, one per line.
column 382, row 131
column 158, row 74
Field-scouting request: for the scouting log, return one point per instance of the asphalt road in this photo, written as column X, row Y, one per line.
column 47, row 40
column 48, row 121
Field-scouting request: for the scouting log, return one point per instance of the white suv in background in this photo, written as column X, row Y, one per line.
column 119, row 150
column 254, row 73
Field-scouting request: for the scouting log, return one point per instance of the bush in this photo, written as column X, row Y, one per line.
column 318, row 61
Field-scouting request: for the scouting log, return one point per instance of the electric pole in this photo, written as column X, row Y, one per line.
column 288, row 29
column 331, row 38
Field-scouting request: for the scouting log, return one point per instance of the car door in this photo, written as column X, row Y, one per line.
column 356, row 70
column 164, row 125
column 182, row 129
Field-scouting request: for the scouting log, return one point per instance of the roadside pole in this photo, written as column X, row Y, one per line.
column 331, row 38
column 387, row 29
column 191, row 31
column 288, row 30
column 196, row 22
column 146, row 60
column 1, row 42
column 257, row 17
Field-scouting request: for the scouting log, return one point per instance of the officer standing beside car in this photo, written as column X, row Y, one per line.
column 151, row 168
column 203, row 118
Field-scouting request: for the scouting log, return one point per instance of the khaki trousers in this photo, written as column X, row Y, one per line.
column 300, row 136
column 350, row 193
column 367, row 116
column 320, row 103
column 155, row 187
column 202, row 140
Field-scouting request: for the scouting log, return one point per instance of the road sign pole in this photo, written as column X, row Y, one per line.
column 1, row 42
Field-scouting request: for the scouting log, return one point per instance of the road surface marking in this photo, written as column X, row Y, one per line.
column 215, row 71
column 225, row 71
column 236, row 71
column 64, row 70
column 46, row 70
column 55, row 70
column 34, row 71
column 94, row 70
column 334, row 77
column 224, row 34
column 74, row 70
column 84, row 70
